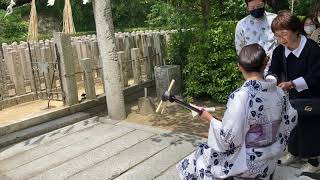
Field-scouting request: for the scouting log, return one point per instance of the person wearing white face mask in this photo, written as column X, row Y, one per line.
column 256, row 28
column 316, row 13
column 309, row 25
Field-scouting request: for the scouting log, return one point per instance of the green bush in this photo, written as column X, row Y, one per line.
column 166, row 15
column 12, row 28
column 208, row 61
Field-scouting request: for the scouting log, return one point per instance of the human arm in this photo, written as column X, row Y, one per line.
column 276, row 68
column 232, row 128
column 208, row 116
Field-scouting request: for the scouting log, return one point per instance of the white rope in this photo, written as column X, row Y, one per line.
column 50, row 2
column 9, row 8
column 86, row 1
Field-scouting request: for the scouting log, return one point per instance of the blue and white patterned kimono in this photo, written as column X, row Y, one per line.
column 250, row 139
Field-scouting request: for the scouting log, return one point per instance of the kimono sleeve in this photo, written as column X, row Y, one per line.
column 230, row 133
column 239, row 40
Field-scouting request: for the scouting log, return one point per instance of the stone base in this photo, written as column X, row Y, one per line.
column 145, row 106
column 6, row 103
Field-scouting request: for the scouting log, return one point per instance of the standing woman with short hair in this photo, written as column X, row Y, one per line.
column 298, row 59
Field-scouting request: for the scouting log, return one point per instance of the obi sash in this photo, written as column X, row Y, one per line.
column 262, row 135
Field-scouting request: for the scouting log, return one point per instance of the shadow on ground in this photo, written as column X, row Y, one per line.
column 176, row 118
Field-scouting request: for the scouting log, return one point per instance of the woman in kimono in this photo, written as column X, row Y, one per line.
column 302, row 80
column 253, row 133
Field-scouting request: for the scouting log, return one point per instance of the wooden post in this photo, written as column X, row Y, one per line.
column 162, row 42
column 123, row 68
column 127, row 50
column 156, row 41
column 63, row 42
column 76, row 52
column 146, row 56
column 135, row 56
column 152, row 52
column 16, row 73
column 2, row 78
column 22, row 59
column 28, row 63
column 86, row 65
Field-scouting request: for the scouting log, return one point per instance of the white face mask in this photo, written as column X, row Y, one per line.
column 309, row 29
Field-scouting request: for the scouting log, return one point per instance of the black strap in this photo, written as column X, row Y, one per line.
column 285, row 65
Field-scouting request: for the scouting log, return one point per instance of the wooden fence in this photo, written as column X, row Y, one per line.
column 30, row 71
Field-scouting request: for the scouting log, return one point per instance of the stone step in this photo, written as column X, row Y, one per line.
column 48, row 137
column 44, row 163
column 116, row 165
column 142, row 127
column 95, row 156
column 170, row 173
column 36, row 130
column 160, row 162
column 50, row 147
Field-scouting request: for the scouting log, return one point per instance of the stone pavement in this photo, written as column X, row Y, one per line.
column 90, row 149
column 103, row 149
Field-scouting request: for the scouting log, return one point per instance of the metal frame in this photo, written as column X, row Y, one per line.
column 42, row 89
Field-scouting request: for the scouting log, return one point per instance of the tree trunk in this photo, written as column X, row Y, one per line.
column 110, row 65
column 205, row 12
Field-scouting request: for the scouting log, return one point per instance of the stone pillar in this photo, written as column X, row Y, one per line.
column 120, row 42
column 156, row 41
column 77, row 56
column 136, row 56
column 17, row 78
column 89, row 85
column 63, row 42
column 2, row 78
column 138, row 42
column 148, row 65
column 9, row 65
column 163, row 77
column 84, row 51
column 25, row 68
column 123, row 68
column 127, row 50
column 93, row 48
column 152, row 52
